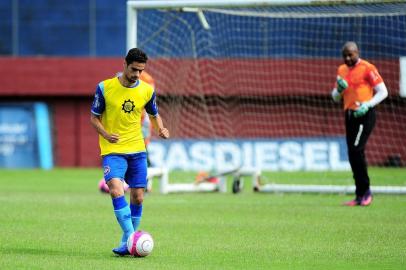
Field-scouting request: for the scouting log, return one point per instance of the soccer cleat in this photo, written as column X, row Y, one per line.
column 355, row 202
column 121, row 250
column 366, row 200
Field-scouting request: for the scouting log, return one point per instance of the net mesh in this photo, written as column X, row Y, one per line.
column 268, row 72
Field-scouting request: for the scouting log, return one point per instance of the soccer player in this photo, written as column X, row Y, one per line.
column 116, row 115
column 362, row 88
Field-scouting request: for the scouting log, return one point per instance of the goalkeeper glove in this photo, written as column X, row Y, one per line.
column 362, row 110
column 341, row 84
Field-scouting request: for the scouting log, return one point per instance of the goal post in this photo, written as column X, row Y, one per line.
column 133, row 6
column 245, row 83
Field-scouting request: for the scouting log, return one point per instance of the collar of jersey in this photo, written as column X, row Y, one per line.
column 135, row 84
column 132, row 86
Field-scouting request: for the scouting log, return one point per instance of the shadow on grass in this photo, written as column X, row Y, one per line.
column 31, row 251
column 52, row 252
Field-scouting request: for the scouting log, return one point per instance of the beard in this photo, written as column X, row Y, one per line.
column 131, row 79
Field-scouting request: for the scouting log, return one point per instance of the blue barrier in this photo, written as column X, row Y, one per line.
column 25, row 138
column 44, row 139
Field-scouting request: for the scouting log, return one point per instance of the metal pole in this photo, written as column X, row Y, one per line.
column 131, row 27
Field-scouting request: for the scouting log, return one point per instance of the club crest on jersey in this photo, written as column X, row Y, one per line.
column 128, row 106
column 106, row 170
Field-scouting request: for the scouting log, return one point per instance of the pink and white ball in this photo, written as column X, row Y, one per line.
column 103, row 187
column 140, row 244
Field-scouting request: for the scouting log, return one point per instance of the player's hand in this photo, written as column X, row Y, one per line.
column 112, row 138
column 341, row 84
column 362, row 110
column 163, row 133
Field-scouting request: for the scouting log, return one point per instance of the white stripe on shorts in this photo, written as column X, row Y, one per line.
column 361, row 128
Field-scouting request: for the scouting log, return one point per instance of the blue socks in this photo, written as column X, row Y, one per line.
column 123, row 215
column 129, row 217
column 136, row 212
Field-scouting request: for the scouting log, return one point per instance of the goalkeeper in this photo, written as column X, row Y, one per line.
column 361, row 87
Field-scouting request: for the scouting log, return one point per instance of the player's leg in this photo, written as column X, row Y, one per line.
column 136, row 178
column 115, row 167
column 357, row 134
column 351, row 129
column 368, row 121
column 136, row 200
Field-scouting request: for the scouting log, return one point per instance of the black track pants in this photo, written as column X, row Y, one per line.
column 357, row 134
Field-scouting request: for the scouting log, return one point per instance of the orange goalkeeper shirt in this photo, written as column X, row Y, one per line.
column 361, row 78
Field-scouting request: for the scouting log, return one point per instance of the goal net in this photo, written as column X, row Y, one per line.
column 248, row 83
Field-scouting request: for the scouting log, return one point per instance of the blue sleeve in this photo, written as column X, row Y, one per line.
column 151, row 107
column 98, row 104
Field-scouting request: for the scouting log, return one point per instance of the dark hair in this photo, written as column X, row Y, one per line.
column 136, row 55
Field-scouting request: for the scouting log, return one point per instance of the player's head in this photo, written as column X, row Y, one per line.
column 134, row 64
column 350, row 53
column 136, row 55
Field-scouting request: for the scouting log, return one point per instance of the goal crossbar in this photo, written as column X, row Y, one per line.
column 133, row 6
column 146, row 4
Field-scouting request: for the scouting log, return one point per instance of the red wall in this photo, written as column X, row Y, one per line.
column 38, row 76
column 75, row 141
column 286, row 98
column 272, row 77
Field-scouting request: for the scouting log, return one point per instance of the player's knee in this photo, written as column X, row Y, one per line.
column 116, row 189
column 116, row 193
column 137, row 198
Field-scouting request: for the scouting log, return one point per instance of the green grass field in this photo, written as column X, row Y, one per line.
column 58, row 220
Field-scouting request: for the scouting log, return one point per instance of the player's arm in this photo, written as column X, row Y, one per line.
column 155, row 118
column 381, row 92
column 158, row 125
column 95, row 120
column 98, row 107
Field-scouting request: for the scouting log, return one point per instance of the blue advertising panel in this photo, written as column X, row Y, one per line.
column 286, row 154
column 25, row 136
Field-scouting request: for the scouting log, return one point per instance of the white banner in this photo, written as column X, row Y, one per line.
column 268, row 155
column 402, row 75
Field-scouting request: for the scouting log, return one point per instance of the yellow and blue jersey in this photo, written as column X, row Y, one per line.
column 121, row 109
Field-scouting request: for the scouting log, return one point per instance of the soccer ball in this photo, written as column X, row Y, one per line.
column 140, row 244
column 104, row 188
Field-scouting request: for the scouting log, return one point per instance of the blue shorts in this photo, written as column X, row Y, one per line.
column 131, row 168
